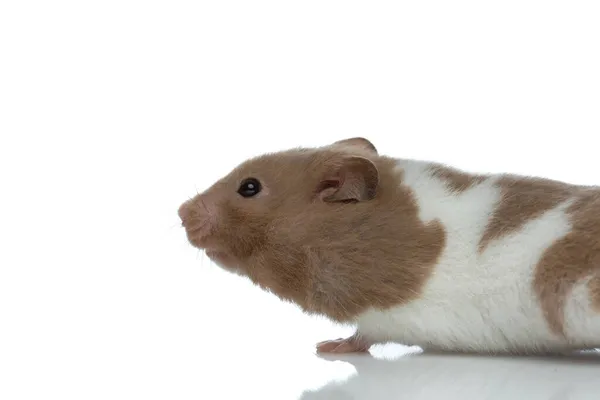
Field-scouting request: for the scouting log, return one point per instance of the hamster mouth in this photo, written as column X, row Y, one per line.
column 222, row 259
column 215, row 254
column 196, row 234
column 198, row 239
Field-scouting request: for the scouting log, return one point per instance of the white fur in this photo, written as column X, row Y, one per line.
column 481, row 301
column 581, row 320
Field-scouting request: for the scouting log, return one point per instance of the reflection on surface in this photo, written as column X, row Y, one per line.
column 451, row 376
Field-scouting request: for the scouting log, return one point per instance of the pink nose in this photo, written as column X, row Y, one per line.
column 194, row 217
column 184, row 211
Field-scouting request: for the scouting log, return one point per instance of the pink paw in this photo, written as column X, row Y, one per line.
column 352, row 344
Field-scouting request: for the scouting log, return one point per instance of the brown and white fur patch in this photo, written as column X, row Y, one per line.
column 520, row 271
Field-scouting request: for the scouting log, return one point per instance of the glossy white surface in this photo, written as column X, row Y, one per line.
column 468, row 377
column 114, row 112
column 169, row 325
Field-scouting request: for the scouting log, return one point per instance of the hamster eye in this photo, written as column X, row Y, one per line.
column 249, row 187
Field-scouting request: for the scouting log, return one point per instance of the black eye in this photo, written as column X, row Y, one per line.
column 249, row 187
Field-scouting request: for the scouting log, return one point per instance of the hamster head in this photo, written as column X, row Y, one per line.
column 303, row 223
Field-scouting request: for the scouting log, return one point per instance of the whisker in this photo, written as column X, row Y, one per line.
column 204, row 205
column 198, row 206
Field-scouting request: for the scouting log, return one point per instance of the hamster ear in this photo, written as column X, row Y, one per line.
column 353, row 179
column 359, row 142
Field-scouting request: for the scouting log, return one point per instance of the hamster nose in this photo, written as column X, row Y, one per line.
column 183, row 212
column 194, row 216
column 191, row 212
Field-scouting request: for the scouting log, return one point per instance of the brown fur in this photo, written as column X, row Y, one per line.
column 333, row 230
column 571, row 259
column 456, row 180
column 594, row 288
column 522, row 199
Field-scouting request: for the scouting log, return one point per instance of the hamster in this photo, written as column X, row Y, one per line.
column 408, row 251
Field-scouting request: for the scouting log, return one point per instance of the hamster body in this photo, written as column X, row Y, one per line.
column 490, row 290
column 410, row 251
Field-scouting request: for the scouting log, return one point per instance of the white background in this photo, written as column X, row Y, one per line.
column 114, row 112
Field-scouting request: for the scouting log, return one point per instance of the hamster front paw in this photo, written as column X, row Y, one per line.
column 352, row 344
